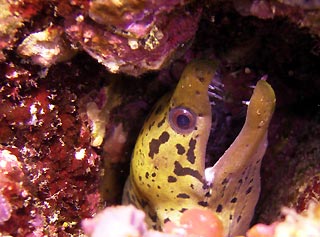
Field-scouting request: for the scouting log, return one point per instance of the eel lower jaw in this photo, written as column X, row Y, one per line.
column 216, row 98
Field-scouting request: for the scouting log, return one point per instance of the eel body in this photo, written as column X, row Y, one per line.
column 168, row 173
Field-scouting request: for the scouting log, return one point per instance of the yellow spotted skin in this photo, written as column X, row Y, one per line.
column 168, row 174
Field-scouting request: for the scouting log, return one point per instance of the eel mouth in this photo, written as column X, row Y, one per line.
column 220, row 138
column 224, row 126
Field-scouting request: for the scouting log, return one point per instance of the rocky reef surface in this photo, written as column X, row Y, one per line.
column 77, row 79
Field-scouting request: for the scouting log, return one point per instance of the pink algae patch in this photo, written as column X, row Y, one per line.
column 5, row 209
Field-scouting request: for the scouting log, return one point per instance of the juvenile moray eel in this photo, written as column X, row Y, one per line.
column 168, row 173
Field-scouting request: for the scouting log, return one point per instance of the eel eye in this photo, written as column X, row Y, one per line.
column 182, row 120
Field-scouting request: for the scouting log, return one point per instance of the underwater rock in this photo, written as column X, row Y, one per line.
column 121, row 221
column 16, row 197
column 297, row 148
column 127, row 221
column 55, row 180
column 313, row 4
column 293, row 225
column 13, row 16
column 305, row 14
column 125, row 39
column 9, row 25
column 135, row 18
column 47, row 47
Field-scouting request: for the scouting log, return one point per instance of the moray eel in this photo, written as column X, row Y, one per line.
column 168, row 173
